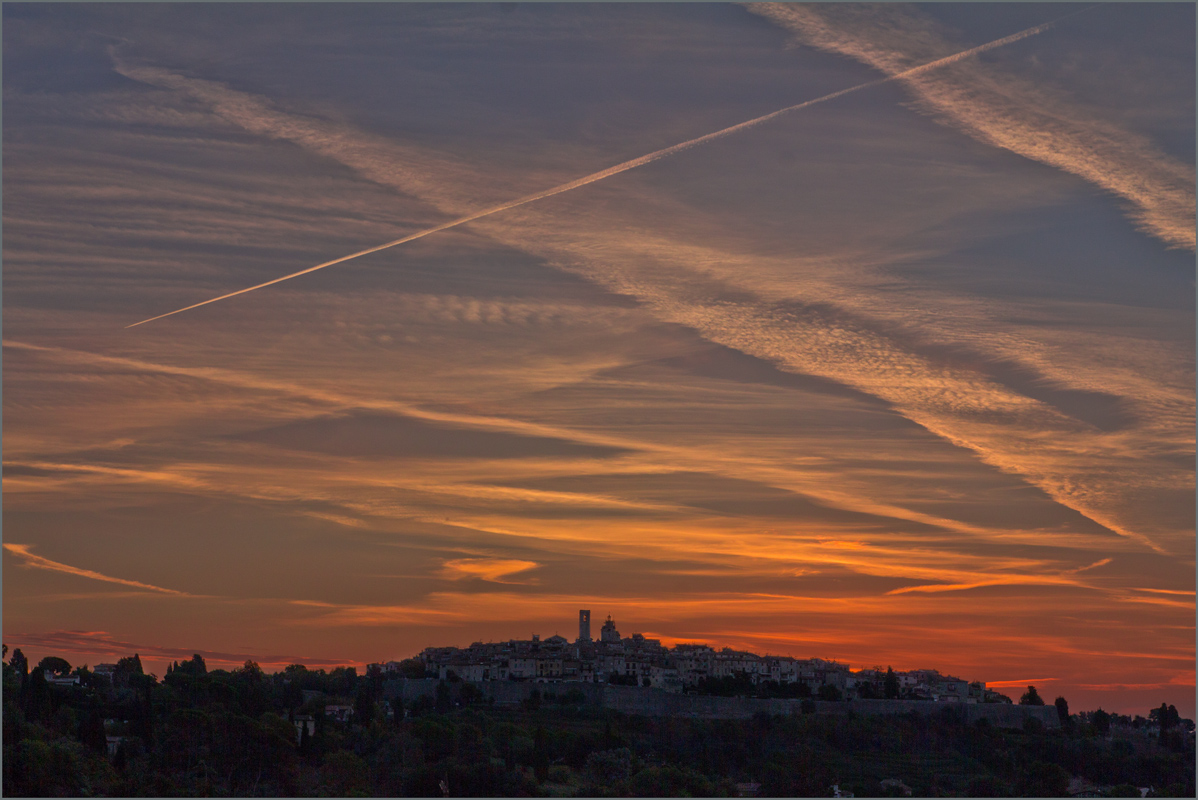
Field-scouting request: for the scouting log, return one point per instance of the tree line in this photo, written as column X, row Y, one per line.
column 244, row 732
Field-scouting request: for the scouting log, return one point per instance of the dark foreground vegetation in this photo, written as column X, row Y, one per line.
column 245, row 733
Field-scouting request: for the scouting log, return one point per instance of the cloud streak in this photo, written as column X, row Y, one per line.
column 105, row 645
column 1003, row 111
column 163, row 78
column 32, row 561
column 494, row 570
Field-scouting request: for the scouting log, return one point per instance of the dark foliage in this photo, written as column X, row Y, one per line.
column 201, row 732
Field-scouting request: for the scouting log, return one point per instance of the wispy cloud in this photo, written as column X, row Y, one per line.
column 1002, row 110
column 956, row 404
column 807, row 416
column 1020, row 683
column 33, row 561
column 493, row 570
column 245, row 111
column 965, row 408
column 101, row 644
column 338, row 615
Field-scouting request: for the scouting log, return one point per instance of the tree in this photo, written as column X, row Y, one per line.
column 37, row 696
column 1101, row 721
column 891, row 684
column 59, row 666
column 1041, row 779
column 540, row 763
column 444, row 703
column 1166, row 716
column 130, row 665
column 21, row 665
column 412, row 668
column 1062, row 711
column 91, row 730
column 344, row 773
column 125, row 669
column 344, row 680
column 1031, row 698
column 195, row 667
column 364, row 706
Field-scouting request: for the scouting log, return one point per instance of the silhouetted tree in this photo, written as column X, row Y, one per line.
column 91, row 730
column 412, row 668
column 1166, row 716
column 1040, row 779
column 20, row 665
column 1101, row 721
column 890, row 685
column 1031, row 698
column 59, row 666
column 37, row 696
column 130, row 665
column 344, row 680
column 195, row 667
column 540, row 763
column 125, row 669
column 1062, row 711
column 364, row 706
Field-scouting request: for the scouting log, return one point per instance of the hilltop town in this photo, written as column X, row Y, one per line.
column 639, row 661
column 552, row 718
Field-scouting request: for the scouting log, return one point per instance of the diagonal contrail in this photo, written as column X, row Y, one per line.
column 627, row 165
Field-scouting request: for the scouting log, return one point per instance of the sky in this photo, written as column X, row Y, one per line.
column 900, row 378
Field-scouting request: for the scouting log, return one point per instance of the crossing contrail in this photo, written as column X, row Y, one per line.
column 632, row 164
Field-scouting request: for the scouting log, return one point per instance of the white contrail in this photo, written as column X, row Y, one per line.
column 627, row 165
column 1002, row 110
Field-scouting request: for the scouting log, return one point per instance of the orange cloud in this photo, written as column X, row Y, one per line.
column 1017, row 683
column 103, row 645
column 39, row 562
column 340, row 615
column 487, row 569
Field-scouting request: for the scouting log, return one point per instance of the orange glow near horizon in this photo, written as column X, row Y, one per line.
column 885, row 382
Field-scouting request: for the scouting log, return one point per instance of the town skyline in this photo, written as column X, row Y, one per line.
column 858, row 331
column 640, row 657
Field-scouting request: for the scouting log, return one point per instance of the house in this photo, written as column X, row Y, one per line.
column 341, row 713
column 302, row 721
column 465, row 671
column 549, row 668
column 62, row 680
column 663, row 677
column 519, row 668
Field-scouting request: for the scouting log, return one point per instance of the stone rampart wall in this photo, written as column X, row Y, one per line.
column 660, row 703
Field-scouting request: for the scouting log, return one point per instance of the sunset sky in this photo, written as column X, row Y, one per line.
column 901, row 378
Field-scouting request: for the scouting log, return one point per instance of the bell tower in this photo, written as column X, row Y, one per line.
column 584, row 625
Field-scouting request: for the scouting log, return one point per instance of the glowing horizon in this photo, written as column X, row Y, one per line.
column 905, row 380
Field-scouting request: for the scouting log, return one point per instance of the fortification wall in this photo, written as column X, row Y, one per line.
column 660, row 703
